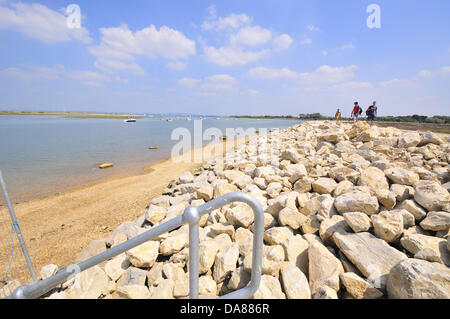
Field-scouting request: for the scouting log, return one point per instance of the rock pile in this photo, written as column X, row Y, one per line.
column 351, row 211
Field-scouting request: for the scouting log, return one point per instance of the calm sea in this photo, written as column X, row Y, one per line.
column 42, row 155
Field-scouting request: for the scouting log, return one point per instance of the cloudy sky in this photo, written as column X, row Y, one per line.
column 259, row 57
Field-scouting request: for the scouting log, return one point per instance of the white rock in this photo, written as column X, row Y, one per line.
column 270, row 288
column 164, row 290
column 144, row 255
column 331, row 225
column 88, row 284
column 417, row 243
column 436, row 221
column 411, row 206
column 295, row 283
column 207, row 285
column 357, row 201
column 117, row 266
column 419, row 279
column 358, row 222
column 388, row 227
column 372, row 256
column 274, row 189
column 291, row 217
column 277, row 235
column 225, row 262
column 296, row 250
column 186, row 178
column 358, row 288
column 401, row 176
column 324, row 185
column 431, row 195
column 133, row 292
column 374, row 178
column 48, row 271
column 173, row 244
column 324, row 268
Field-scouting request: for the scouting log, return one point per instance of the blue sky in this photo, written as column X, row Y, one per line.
column 226, row 57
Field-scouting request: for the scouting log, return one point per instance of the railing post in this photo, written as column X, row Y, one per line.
column 192, row 216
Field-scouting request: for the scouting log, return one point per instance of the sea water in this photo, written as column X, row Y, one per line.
column 43, row 155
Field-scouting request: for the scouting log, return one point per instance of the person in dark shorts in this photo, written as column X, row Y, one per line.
column 372, row 112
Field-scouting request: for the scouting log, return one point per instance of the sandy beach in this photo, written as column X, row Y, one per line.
column 56, row 228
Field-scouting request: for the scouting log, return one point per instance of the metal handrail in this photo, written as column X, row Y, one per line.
column 190, row 216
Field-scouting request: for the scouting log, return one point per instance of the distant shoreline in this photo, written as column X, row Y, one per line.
column 73, row 114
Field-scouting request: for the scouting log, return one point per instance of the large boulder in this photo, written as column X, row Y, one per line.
column 387, row 226
column 419, row 279
column 358, row 222
column 324, row 268
column 358, row 288
column 371, row 255
column 324, row 185
column 436, row 221
column 431, row 195
column 269, row 288
column 411, row 139
column 357, row 201
column 427, row 247
column 373, row 178
column 295, row 283
column 144, row 255
column 88, row 284
column 401, row 176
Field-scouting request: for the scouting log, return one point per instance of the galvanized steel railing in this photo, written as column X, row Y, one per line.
column 190, row 216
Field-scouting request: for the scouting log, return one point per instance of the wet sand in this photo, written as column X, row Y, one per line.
column 56, row 228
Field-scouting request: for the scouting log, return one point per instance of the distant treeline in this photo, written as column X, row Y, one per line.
column 437, row 119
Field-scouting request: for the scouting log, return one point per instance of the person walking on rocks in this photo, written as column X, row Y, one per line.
column 356, row 113
column 338, row 115
column 371, row 112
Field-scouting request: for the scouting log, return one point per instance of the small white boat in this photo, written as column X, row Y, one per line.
column 189, row 119
column 169, row 120
column 129, row 120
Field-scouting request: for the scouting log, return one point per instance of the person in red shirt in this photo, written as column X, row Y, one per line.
column 356, row 113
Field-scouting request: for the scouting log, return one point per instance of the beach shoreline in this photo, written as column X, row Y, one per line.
column 57, row 227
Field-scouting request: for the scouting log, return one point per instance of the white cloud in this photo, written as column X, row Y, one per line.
column 268, row 73
column 425, row 74
column 251, row 36
column 34, row 73
column 177, row 66
column 312, row 27
column 398, row 83
column 56, row 73
column 121, row 44
column 241, row 34
column 283, row 42
column 249, row 92
column 324, row 53
column 189, row 82
column 306, row 41
column 218, row 82
column 107, row 65
column 90, row 78
column 328, row 74
column 233, row 21
column 228, row 56
column 39, row 22
column 445, row 69
column 212, row 85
